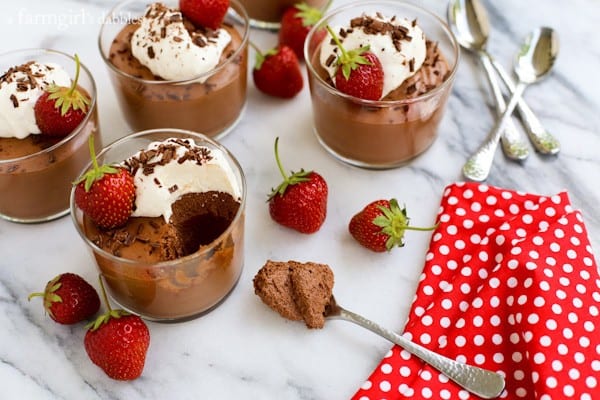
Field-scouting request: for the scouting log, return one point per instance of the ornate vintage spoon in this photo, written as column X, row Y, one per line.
column 470, row 26
column 486, row 384
column 469, row 22
column 534, row 61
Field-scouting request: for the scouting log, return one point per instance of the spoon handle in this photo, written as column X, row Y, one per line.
column 541, row 139
column 478, row 166
column 513, row 142
column 484, row 383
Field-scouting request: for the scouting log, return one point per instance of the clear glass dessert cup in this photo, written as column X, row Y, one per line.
column 35, row 187
column 266, row 14
column 211, row 103
column 180, row 289
column 378, row 134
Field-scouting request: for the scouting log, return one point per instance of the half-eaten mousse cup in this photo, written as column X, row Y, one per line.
column 266, row 14
column 171, row 73
column 419, row 57
column 181, row 252
column 37, row 168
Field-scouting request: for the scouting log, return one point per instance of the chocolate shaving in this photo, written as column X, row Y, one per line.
column 166, row 152
column 330, row 60
column 151, row 52
column 14, row 100
column 173, row 188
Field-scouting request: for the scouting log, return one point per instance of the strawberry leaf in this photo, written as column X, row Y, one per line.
column 349, row 60
column 261, row 57
column 69, row 98
column 309, row 15
column 293, row 179
column 97, row 172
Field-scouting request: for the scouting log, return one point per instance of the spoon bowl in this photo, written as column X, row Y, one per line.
column 537, row 55
column 482, row 382
column 469, row 23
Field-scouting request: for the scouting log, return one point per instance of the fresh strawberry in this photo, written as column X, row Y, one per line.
column 381, row 225
column 69, row 299
column 60, row 110
column 207, row 13
column 300, row 201
column 117, row 342
column 359, row 72
column 296, row 22
column 105, row 193
column 277, row 72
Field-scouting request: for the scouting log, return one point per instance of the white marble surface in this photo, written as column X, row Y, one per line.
column 244, row 350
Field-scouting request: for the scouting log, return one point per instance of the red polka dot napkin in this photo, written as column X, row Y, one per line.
column 510, row 284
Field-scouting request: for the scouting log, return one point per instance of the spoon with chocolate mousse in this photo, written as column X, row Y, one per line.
column 304, row 292
column 533, row 62
column 469, row 23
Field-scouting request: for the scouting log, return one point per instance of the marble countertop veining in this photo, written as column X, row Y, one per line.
column 243, row 349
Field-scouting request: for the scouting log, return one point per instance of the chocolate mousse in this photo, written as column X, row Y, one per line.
column 297, row 291
column 404, row 122
column 272, row 10
column 177, row 256
column 36, row 170
column 209, row 102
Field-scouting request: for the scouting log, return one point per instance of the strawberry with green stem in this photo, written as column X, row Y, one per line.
column 60, row 110
column 359, row 72
column 69, row 299
column 277, row 72
column 296, row 22
column 105, row 193
column 117, row 342
column 300, row 201
column 381, row 224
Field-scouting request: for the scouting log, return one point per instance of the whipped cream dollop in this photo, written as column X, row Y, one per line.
column 397, row 42
column 164, row 45
column 20, row 88
column 167, row 170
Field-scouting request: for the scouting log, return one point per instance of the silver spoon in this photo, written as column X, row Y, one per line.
column 468, row 21
column 486, row 384
column 534, row 61
column 471, row 23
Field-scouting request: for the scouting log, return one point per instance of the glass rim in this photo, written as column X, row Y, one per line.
column 170, row 263
column 384, row 103
column 77, row 130
column 237, row 7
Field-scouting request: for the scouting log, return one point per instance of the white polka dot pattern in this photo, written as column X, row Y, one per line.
column 510, row 284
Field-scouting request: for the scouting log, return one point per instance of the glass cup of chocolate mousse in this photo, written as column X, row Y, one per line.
column 170, row 73
column 37, row 168
column 419, row 57
column 266, row 14
column 181, row 252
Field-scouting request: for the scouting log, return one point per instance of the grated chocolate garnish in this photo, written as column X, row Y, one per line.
column 330, row 60
column 14, row 100
column 148, row 160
